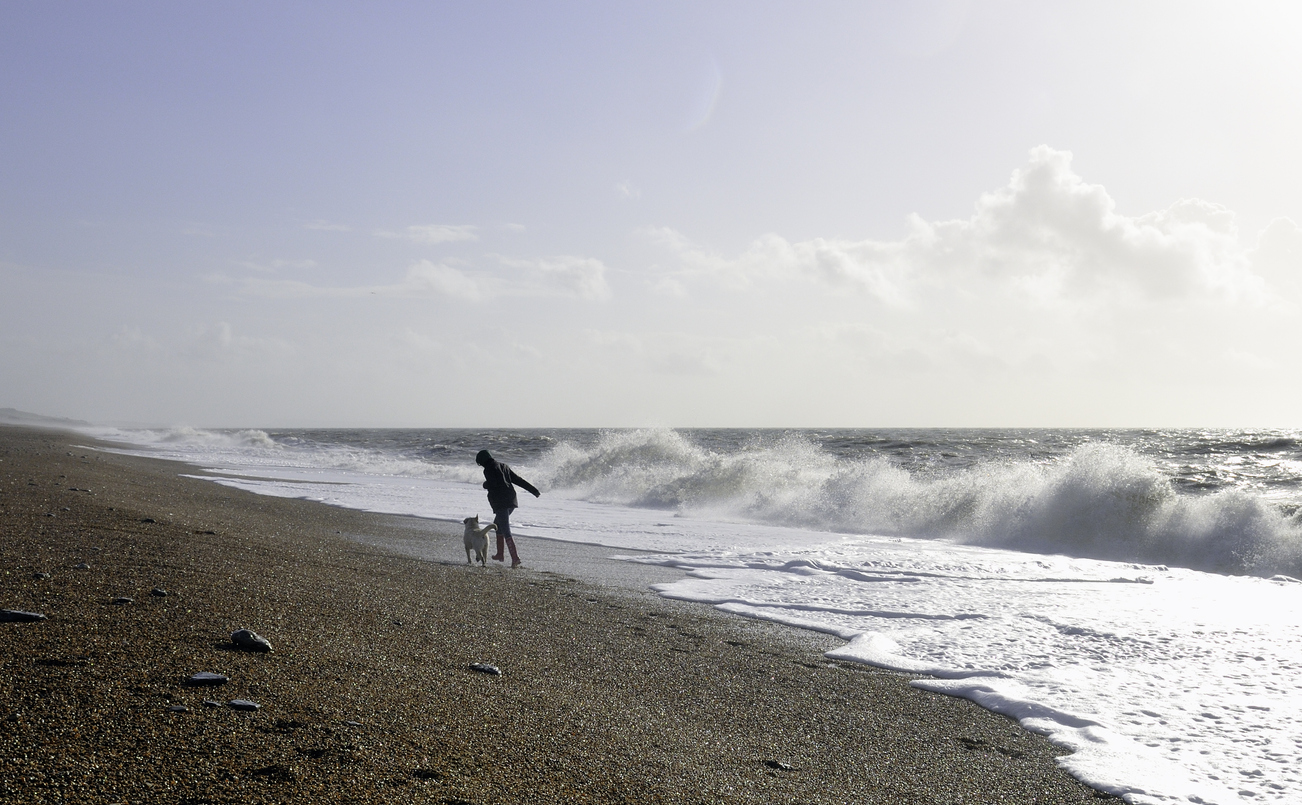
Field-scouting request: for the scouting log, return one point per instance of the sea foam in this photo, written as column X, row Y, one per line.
column 1101, row 501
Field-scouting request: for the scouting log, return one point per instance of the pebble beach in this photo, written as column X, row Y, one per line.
column 395, row 679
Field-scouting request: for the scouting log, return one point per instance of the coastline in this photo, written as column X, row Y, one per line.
column 607, row 692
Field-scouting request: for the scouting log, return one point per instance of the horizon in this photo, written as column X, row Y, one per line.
column 984, row 214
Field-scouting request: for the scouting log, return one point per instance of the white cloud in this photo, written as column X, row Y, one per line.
column 584, row 277
column 1047, row 237
column 433, row 233
column 676, row 354
column 566, row 275
column 443, row 280
column 423, row 279
column 626, row 189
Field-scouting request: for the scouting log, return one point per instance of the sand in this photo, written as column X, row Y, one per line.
column 606, row 692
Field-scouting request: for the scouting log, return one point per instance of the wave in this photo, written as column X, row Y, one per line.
column 251, row 449
column 1099, row 501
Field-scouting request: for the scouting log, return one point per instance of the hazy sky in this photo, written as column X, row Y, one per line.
column 617, row 214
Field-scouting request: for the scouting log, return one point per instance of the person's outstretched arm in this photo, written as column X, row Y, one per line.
column 523, row 484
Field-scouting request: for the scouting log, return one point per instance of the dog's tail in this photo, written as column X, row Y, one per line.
column 490, row 527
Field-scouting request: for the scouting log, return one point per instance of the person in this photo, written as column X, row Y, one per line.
column 500, row 481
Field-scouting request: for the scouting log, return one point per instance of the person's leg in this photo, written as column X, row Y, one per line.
column 503, row 522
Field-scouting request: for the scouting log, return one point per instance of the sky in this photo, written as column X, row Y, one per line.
column 698, row 214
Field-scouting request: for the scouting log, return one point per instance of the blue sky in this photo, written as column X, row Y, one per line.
column 595, row 214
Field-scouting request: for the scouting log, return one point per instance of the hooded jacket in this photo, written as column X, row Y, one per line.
column 500, row 481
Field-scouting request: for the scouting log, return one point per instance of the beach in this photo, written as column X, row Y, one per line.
column 604, row 692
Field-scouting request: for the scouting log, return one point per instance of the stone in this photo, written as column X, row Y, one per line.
column 243, row 704
column 19, row 616
column 178, row 708
column 779, row 765
column 485, row 668
column 211, row 703
column 158, row 592
column 207, row 678
column 250, row 640
column 82, row 566
column 124, row 600
column 39, row 576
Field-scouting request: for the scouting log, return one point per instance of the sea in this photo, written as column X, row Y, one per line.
column 1133, row 595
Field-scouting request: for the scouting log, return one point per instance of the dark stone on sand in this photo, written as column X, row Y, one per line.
column 19, row 616
column 779, row 765
column 148, row 520
column 250, row 640
column 158, row 592
column 124, row 600
column 211, row 703
column 243, row 704
column 82, row 566
column 39, row 576
column 426, row 774
column 352, row 723
column 178, row 708
column 207, row 678
column 485, row 668
column 277, row 772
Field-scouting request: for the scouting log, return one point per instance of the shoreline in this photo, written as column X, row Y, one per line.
column 606, row 693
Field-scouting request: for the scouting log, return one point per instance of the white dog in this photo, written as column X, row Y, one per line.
column 476, row 540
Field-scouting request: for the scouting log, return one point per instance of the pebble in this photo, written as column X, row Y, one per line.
column 82, row 566
column 158, row 592
column 779, row 765
column 207, row 678
column 211, row 703
column 250, row 640
column 40, row 575
column 178, row 708
column 243, row 704
column 19, row 616
column 485, row 668
column 124, row 600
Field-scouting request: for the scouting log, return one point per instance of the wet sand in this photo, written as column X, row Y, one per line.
column 606, row 692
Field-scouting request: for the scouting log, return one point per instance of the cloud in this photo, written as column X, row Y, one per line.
column 583, row 277
column 675, row 354
column 443, row 280
column 1047, row 237
column 423, row 279
column 627, row 190
column 705, row 98
column 433, row 233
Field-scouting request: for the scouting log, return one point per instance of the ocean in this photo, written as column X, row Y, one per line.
column 1132, row 594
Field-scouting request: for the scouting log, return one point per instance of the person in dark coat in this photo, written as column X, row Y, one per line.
column 501, row 481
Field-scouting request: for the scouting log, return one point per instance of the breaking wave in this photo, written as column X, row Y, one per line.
column 1099, row 500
